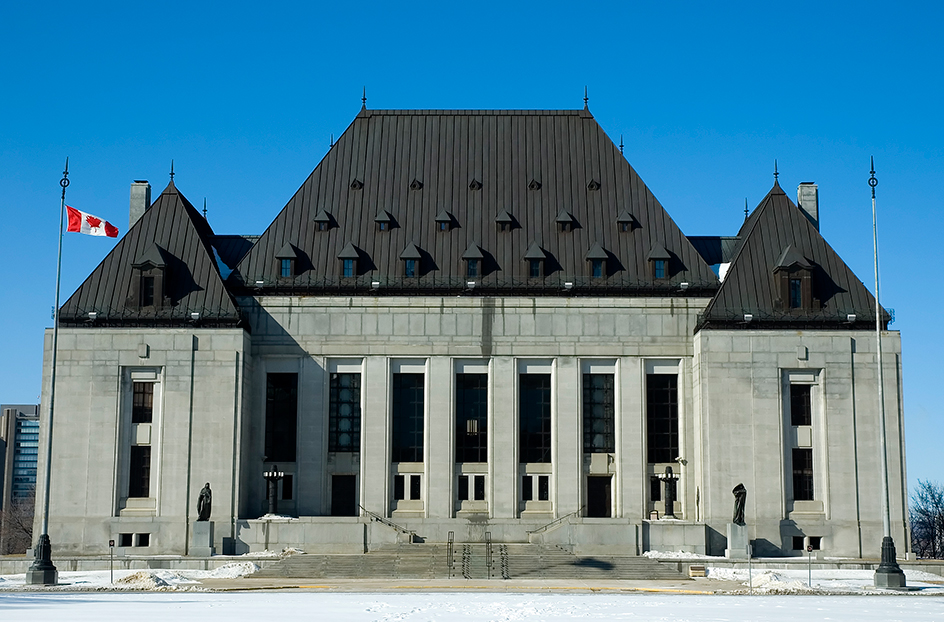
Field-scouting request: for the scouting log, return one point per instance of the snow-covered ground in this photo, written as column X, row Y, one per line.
column 461, row 607
column 161, row 580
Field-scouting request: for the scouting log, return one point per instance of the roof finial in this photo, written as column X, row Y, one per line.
column 204, row 208
column 586, row 100
column 64, row 182
column 872, row 180
column 776, row 173
column 172, row 170
column 621, row 144
column 364, row 99
column 331, row 144
column 745, row 208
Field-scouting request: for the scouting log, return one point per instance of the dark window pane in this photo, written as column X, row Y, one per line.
column 480, row 488
column 801, row 404
column 796, row 294
column 287, row 484
column 534, row 268
column 544, row 487
column 598, row 413
column 344, row 412
column 347, row 266
column 139, row 480
column 803, row 474
column 398, row 487
column 815, row 542
column 596, row 268
column 125, row 539
column 527, row 488
column 471, row 417
column 662, row 417
column 655, row 489
column 415, row 487
column 281, row 430
column 409, row 267
column 408, row 402
column 534, row 412
column 463, row 488
column 472, row 267
column 144, row 539
column 660, row 268
column 142, row 407
column 285, row 267
column 798, row 543
column 147, row 291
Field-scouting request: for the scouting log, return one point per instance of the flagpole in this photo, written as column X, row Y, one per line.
column 889, row 573
column 42, row 571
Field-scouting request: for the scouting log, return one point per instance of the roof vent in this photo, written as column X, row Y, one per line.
column 534, row 185
column 475, row 185
column 357, row 184
column 416, row 184
column 593, row 185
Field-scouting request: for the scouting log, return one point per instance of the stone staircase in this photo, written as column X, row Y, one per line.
column 469, row 561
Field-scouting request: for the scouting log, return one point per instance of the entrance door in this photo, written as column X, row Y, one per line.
column 343, row 495
column 599, row 504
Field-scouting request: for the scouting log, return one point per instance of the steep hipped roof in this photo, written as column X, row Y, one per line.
column 530, row 165
column 173, row 232
column 778, row 235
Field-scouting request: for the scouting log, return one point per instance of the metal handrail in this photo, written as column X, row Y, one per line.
column 450, row 561
column 388, row 523
column 488, row 553
column 556, row 521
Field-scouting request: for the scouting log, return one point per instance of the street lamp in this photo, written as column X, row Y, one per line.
column 273, row 478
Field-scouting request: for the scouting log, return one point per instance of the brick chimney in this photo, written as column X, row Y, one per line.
column 808, row 201
column 140, row 200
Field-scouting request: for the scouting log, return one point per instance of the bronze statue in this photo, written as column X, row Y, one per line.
column 204, row 503
column 740, row 498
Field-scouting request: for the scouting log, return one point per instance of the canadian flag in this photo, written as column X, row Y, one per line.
column 81, row 222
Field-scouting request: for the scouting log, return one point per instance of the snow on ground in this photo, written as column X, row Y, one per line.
column 794, row 580
column 462, row 607
column 163, row 580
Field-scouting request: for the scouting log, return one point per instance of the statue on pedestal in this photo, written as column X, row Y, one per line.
column 740, row 499
column 204, row 503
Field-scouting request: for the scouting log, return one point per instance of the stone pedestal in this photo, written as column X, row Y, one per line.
column 202, row 544
column 739, row 546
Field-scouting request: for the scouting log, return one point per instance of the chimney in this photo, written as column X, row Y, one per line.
column 140, row 200
column 808, row 201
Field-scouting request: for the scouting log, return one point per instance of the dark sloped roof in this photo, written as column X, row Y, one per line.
column 778, row 234
column 443, row 152
column 232, row 248
column 182, row 238
column 715, row 249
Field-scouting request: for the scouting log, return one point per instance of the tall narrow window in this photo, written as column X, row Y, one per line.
column 596, row 268
column 142, row 404
column 796, row 293
column 472, row 267
column 409, row 268
column 802, row 474
column 408, row 407
column 660, row 268
column 471, row 417
column 344, row 413
column 662, row 417
column 598, row 413
column 139, row 481
column 285, row 267
column 801, row 404
column 534, row 268
column 347, row 267
column 534, row 413
column 281, row 429
column 147, row 291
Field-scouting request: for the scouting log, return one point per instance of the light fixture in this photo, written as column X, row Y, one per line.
column 92, row 315
column 259, row 282
column 375, row 284
column 748, row 317
column 470, row 284
column 851, row 318
column 194, row 316
column 568, row 285
column 684, row 285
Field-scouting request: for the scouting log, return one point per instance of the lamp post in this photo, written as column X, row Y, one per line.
column 889, row 573
column 273, row 478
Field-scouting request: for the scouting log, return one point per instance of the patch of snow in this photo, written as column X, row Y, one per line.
column 676, row 555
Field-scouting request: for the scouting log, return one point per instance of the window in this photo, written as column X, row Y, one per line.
column 139, row 482
column 347, row 267
column 802, row 474
column 408, row 405
column 471, row 483
column 344, row 412
column 598, row 413
column 662, row 417
column 142, row 402
column 383, row 225
column 323, row 225
column 660, row 268
column 534, row 413
column 471, row 417
column 504, row 226
column 655, row 489
column 281, row 430
column 144, row 539
column 798, row 543
column 285, row 267
column 472, row 267
column 125, row 539
column 816, row 542
column 624, row 226
column 444, row 226
column 527, row 488
column 544, row 487
column 534, row 268
column 796, row 293
column 400, row 490
column 147, row 291
column 409, row 268
column 801, row 404
column 596, row 268
column 287, row 486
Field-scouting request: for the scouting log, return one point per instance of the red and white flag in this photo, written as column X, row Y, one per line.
column 81, row 222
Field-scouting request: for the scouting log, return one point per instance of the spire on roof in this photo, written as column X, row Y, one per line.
column 872, row 180
column 745, row 208
column 621, row 144
column 586, row 100
column 172, row 170
column 204, row 208
column 364, row 99
column 776, row 173
column 331, row 144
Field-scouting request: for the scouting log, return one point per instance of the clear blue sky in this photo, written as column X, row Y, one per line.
column 244, row 97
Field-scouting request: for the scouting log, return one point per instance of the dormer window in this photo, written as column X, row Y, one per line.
column 348, row 267
column 409, row 267
column 149, row 272
column 384, row 221
column 323, row 220
column 286, row 267
column 287, row 259
column 535, row 257
column 625, row 222
column 659, row 259
column 349, row 256
column 444, row 220
column 146, row 296
column 411, row 257
column 565, row 221
column 473, row 257
column 505, row 221
column 793, row 281
column 597, row 258
column 534, row 268
column 473, row 267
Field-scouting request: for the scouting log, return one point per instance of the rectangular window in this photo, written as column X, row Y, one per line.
column 144, row 539
column 287, row 484
column 662, row 417
column 281, row 423
column 534, row 268
column 415, row 487
column 598, row 413
column 796, row 294
column 544, row 487
column 534, row 417
column 142, row 407
column 347, row 267
column 816, row 542
column 655, row 489
column 471, row 417
column 147, row 291
column 139, row 482
column 660, row 268
column 472, row 268
column 398, row 489
column 463, row 491
column 344, row 412
column 801, row 404
column 798, row 543
column 479, row 487
column 596, row 268
column 125, row 539
column 802, row 474
column 527, row 488
column 285, row 267
column 408, row 406
column 409, row 268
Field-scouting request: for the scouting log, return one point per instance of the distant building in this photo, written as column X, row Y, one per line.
column 19, row 444
column 470, row 323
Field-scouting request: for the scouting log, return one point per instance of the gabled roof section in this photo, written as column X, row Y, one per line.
column 596, row 252
column 777, row 235
column 411, row 252
column 658, row 251
column 535, row 252
column 574, row 167
column 287, row 252
column 172, row 231
column 349, row 252
column 473, row 252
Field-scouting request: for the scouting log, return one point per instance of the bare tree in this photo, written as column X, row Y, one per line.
column 16, row 524
column 927, row 520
